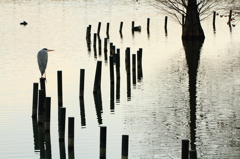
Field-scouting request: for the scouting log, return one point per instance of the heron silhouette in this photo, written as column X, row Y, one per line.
column 42, row 58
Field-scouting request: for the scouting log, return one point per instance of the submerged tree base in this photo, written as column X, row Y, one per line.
column 192, row 28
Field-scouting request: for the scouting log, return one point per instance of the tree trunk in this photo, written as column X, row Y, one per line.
column 192, row 28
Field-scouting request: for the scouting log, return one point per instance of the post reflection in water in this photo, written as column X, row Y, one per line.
column 62, row 149
column 82, row 112
column 192, row 52
column 42, row 141
column 35, row 134
column 98, row 105
column 112, row 98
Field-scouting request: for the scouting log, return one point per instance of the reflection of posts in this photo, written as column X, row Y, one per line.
column 125, row 140
column 134, row 68
column 139, row 64
column 62, row 116
column 35, row 134
column 71, row 133
column 47, row 115
column 112, row 98
column 81, row 88
column 41, row 107
column 48, row 146
column 98, row 105
column 62, row 150
column 41, row 142
column 103, row 141
column 111, row 69
column 82, row 112
column 35, row 100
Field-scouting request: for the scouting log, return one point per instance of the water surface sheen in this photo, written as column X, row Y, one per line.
column 187, row 90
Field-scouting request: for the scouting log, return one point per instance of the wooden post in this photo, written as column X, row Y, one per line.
column 185, row 148
column 230, row 19
column 117, row 58
column 103, row 141
column 35, row 100
column 125, row 140
column 99, row 47
column 148, row 23
column 121, row 25
column 97, row 82
column 41, row 107
column 134, row 68
column 214, row 18
column 165, row 24
column 62, row 119
column 70, row 132
column 128, row 60
column 99, row 27
column 81, row 88
column 47, row 115
column 132, row 25
column 107, row 29
column 59, row 82
column 111, row 70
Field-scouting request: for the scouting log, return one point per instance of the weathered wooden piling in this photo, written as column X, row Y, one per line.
column 35, row 100
column 127, row 59
column 185, row 149
column 117, row 59
column 230, row 19
column 103, row 141
column 134, row 68
column 111, row 48
column 148, row 23
column 47, row 115
column 59, row 83
column 125, row 140
column 121, row 25
column 133, row 25
column 97, row 81
column 99, row 28
column 81, row 87
column 111, row 68
column 214, row 19
column 107, row 29
column 165, row 23
column 99, row 47
column 41, row 107
column 139, row 64
column 193, row 154
column 62, row 121
column 70, row 132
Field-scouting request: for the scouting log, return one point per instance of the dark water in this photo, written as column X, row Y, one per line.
column 188, row 90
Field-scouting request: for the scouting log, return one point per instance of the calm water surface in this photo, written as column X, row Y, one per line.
column 155, row 114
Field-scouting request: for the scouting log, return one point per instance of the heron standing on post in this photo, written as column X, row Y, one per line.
column 42, row 60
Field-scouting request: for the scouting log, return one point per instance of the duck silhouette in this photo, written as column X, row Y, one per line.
column 23, row 23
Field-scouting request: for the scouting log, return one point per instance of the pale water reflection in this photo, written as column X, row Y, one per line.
column 155, row 112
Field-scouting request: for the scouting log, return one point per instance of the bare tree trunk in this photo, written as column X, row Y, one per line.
column 192, row 28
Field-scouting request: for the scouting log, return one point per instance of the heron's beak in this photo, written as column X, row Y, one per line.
column 51, row 50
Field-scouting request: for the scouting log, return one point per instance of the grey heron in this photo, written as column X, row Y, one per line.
column 42, row 58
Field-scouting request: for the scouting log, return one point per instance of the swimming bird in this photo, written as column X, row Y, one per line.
column 136, row 28
column 23, row 23
column 42, row 58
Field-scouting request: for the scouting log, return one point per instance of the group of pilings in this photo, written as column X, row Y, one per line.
column 229, row 22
